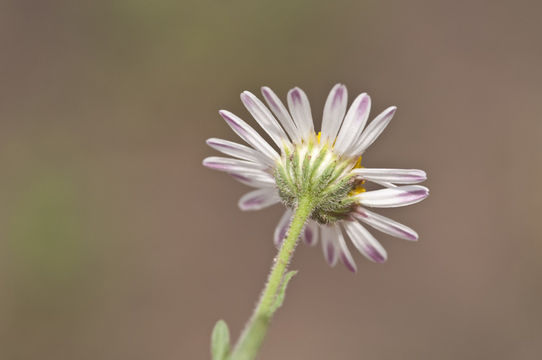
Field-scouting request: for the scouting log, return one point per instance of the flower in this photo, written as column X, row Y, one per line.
column 324, row 165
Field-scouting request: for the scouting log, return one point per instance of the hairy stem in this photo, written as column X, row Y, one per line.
column 252, row 337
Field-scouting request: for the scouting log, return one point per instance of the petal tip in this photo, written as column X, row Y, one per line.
column 209, row 162
column 364, row 97
column 229, row 117
column 418, row 191
column 339, row 87
column 246, row 99
column 296, row 91
column 246, row 95
column 242, row 207
column 349, row 264
column 210, row 165
column 379, row 257
column 423, row 191
column 422, row 175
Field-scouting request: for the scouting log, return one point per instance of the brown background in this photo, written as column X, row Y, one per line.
column 117, row 244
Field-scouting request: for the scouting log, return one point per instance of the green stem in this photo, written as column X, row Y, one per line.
column 252, row 337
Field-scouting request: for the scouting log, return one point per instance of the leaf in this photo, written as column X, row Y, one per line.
column 220, row 341
column 282, row 291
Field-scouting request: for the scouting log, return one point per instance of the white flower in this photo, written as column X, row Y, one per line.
column 326, row 165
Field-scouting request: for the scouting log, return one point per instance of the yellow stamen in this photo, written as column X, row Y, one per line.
column 319, row 137
column 359, row 187
column 358, row 164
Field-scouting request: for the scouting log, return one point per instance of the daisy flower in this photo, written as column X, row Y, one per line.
column 324, row 165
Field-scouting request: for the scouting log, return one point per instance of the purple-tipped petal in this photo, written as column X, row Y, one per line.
column 394, row 197
column 386, row 225
column 282, row 228
column 259, row 199
column 374, row 254
column 235, row 150
column 353, row 124
column 328, row 238
column 278, row 108
column 300, row 109
column 310, row 233
column 334, row 112
column 344, row 252
column 264, row 117
column 395, row 176
column 373, row 130
column 250, row 135
column 365, row 242
column 331, row 254
column 229, row 164
column 248, row 173
column 349, row 263
column 257, row 180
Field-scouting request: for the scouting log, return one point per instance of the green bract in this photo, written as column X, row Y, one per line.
column 316, row 172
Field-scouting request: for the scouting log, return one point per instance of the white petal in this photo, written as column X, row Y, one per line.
column 250, row 135
column 385, row 184
column 328, row 237
column 264, row 117
column 386, row 225
column 245, row 172
column 353, row 124
column 345, row 255
column 257, row 179
column 230, row 165
column 396, row 176
column 299, row 106
column 394, row 197
column 310, row 233
column 235, row 150
column 282, row 228
column 281, row 113
column 365, row 242
column 259, row 199
column 334, row 112
column 373, row 130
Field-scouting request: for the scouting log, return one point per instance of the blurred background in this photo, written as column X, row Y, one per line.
column 115, row 243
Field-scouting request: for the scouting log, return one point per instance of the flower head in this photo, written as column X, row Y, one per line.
column 325, row 166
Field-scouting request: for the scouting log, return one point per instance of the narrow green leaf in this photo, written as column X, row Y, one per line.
column 220, row 341
column 282, row 291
